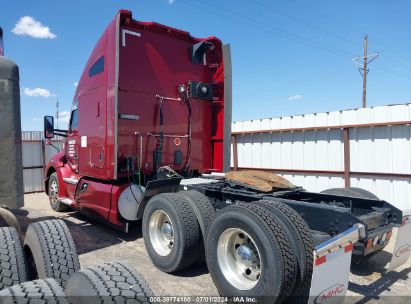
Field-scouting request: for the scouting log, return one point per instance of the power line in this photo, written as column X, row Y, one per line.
column 328, row 17
column 57, row 112
column 393, row 59
column 386, row 69
column 268, row 28
column 317, row 28
column 354, row 29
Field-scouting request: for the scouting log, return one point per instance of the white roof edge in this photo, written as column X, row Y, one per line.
column 375, row 114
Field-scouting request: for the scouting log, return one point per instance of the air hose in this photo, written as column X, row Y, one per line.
column 159, row 150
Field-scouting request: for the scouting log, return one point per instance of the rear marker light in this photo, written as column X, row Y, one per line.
column 369, row 244
column 181, row 88
column 343, row 250
column 348, row 248
column 320, row 260
column 177, row 141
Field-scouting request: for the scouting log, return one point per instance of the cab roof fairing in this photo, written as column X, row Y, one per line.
column 125, row 18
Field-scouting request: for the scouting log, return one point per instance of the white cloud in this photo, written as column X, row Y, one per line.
column 75, row 84
column 37, row 92
column 296, row 97
column 36, row 119
column 171, row 1
column 28, row 26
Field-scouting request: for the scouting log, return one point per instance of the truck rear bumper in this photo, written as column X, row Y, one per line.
column 332, row 261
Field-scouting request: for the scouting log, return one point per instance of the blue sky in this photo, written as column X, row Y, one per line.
column 289, row 57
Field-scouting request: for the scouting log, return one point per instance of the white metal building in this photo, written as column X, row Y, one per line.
column 35, row 155
column 368, row 148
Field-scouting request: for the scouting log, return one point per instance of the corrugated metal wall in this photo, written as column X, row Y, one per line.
column 376, row 149
column 35, row 155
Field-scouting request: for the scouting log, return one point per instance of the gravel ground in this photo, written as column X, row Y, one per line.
column 97, row 243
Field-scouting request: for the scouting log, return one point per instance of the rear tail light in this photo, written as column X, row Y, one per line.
column 384, row 237
column 375, row 241
column 378, row 241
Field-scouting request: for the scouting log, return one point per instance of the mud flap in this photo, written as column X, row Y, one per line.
column 330, row 277
column 331, row 269
column 402, row 248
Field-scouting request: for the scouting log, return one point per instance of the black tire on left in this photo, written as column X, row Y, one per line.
column 13, row 269
column 39, row 291
column 108, row 283
column 50, row 251
column 184, row 247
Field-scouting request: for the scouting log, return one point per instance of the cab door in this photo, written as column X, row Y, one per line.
column 92, row 133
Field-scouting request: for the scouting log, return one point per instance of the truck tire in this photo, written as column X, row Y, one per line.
column 109, row 283
column 8, row 219
column 301, row 240
column 171, row 232
column 351, row 191
column 290, row 256
column 205, row 213
column 13, row 269
column 53, row 192
column 50, row 251
column 362, row 193
column 241, row 238
column 38, row 291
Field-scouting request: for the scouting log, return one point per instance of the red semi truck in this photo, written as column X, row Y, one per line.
column 149, row 138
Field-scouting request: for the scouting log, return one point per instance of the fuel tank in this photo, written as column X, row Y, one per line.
column 11, row 169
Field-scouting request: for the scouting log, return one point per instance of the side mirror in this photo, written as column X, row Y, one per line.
column 48, row 126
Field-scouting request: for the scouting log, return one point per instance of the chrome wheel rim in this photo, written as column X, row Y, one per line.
column 161, row 232
column 239, row 259
column 53, row 193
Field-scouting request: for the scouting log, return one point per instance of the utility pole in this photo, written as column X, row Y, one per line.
column 57, row 112
column 364, row 83
column 363, row 69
